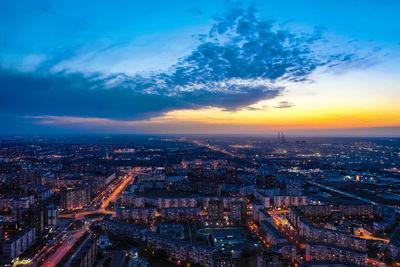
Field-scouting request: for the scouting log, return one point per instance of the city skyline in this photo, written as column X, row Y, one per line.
column 220, row 67
column 199, row 201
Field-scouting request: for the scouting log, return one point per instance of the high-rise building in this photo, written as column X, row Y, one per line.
column 238, row 212
column 215, row 211
column 52, row 215
column 33, row 217
column 12, row 247
column 75, row 198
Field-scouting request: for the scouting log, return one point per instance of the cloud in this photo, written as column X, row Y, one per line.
column 164, row 125
column 76, row 95
column 242, row 59
column 284, row 104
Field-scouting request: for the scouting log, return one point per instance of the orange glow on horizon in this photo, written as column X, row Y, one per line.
column 293, row 118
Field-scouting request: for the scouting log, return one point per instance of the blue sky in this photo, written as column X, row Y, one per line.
column 142, row 66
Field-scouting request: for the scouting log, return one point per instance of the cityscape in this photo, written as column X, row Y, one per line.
column 199, row 201
column 213, row 133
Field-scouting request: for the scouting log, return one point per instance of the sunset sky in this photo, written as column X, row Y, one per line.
column 200, row 67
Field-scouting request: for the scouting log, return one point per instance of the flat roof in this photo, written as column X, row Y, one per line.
column 162, row 193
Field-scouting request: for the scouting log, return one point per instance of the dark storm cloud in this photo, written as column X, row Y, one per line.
column 242, row 60
column 75, row 95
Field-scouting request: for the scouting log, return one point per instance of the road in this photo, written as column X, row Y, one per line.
column 64, row 248
column 73, row 236
column 217, row 149
column 214, row 148
column 115, row 194
column 80, row 247
column 353, row 196
column 284, row 226
column 368, row 235
column 46, row 250
column 255, row 229
column 376, row 263
column 112, row 197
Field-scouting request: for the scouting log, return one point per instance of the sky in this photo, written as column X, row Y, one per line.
column 312, row 68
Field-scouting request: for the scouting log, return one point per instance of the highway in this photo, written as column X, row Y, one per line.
column 68, row 240
column 217, row 149
column 112, row 197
